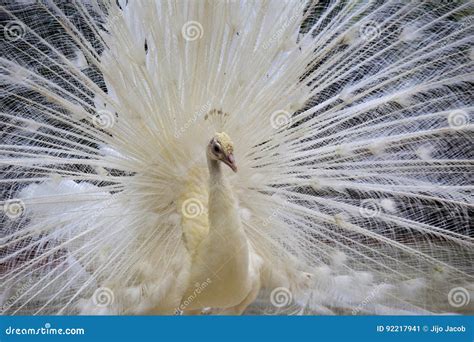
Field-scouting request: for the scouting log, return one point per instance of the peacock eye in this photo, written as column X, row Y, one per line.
column 216, row 148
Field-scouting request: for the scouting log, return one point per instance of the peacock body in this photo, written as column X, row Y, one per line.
column 349, row 124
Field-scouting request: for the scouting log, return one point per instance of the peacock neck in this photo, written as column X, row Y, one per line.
column 227, row 239
column 223, row 206
column 223, row 255
column 216, row 176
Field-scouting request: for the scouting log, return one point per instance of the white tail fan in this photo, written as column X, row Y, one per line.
column 352, row 129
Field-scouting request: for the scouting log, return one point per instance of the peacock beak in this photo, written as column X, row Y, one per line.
column 230, row 161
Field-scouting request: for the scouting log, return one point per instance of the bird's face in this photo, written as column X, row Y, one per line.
column 221, row 148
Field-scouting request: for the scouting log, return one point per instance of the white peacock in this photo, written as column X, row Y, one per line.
column 349, row 124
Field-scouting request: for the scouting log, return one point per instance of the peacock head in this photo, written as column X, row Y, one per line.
column 221, row 148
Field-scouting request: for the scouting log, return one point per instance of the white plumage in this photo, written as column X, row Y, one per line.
column 350, row 125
